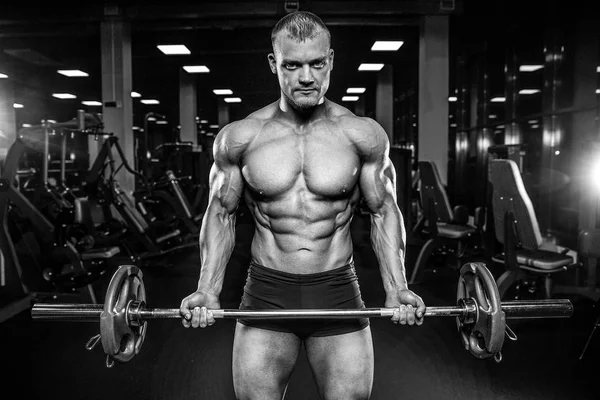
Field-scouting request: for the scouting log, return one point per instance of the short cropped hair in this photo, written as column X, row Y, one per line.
column 299, row 25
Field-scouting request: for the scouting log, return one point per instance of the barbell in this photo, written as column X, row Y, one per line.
column 480, row 316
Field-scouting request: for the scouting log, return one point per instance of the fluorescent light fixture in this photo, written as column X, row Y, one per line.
column 452, row 98
column 204, row 121
column 64, row 95
column 530, row 68
column 26, row 125
column 370, row 67
column 161, row 122
column 17, row 105
column 91, row 103
column 72, row 73
column 151, row 119
column 233, row 100
column 492, row 116
column 222, row 91
column 598, row 69
column 51, row 121
column 3, row 76
column 135, row 94
column 171, row 49
column 597, row 91
column 196, row 69
column 214, row 126
column 386, row 45
column 529, row 91
column 356, row 90
column 498, row 99
column 150, row 101
column 350, row 98
column 135, row 128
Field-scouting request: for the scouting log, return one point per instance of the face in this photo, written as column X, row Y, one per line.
column 303, row 69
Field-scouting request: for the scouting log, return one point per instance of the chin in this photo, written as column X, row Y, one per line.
column 306, row 103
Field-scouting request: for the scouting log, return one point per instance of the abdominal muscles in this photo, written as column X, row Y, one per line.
column 302, row 232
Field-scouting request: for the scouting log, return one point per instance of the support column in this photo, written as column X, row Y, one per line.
column 433, row 92
column 115, row 36
column 188, row 106
column 223, row 113
column 584, row 155
column 359, row 108
column 384, row 101
column 8, row 120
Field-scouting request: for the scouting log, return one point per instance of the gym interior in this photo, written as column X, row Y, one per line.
column 108, row 115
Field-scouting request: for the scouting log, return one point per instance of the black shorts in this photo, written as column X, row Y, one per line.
column 267, row 288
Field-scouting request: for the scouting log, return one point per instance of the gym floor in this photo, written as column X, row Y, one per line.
column 47, row 360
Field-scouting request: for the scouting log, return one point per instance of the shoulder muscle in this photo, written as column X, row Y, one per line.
column 368, row 136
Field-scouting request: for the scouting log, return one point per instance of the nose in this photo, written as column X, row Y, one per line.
column 306, row 77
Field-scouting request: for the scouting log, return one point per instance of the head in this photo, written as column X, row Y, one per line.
column 302, row 58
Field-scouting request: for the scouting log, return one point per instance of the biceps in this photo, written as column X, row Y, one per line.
column 226, row 186
column 378, row 184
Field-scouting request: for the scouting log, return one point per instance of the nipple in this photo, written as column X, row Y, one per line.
column 261, row 192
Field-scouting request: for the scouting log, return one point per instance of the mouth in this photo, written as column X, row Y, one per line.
column 306, row 91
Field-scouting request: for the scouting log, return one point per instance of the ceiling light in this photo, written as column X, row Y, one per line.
column 597, row 91
column 196, row 69
column 529, row 91
column 204, row 121
column 386, row 45
column 452, row 98
column 214, row 126
column 150, row 101
column 3, row 76
column 350, row 98
column 91, row 103
column 370, row 67
column 498, row 99
column 356, row 90
column 26, row 125
column 64, row 95
column 222, row 91
column 17, row 105
column 598, row 69
column 72, row 73
column 135, row 94
column 233, row 100
column 170, row 49
column 530, row 68
column 161, row 122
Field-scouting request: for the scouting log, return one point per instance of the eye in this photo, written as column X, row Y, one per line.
column 319, row 64
column 290, row 66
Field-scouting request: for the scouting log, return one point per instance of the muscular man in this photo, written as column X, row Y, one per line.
column 302, row 164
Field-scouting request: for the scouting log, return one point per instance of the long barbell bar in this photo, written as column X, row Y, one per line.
column 515, row 309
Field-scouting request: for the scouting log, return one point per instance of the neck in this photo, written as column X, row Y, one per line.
column 301, row 116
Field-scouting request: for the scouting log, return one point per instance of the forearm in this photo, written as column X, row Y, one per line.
column 217, row 240
column 388, row 238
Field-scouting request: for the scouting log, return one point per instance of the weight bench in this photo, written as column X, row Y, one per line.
column 442, row 225
column 516, row 226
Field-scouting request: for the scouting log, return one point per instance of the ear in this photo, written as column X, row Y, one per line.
column 331, row 59
column 272, row 63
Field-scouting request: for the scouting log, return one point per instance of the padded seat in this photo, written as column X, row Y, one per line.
column 452, row 231
column 103, row 253
column 541, row 261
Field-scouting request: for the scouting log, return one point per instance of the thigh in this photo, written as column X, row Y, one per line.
column 263, row 361
column 342, row 364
